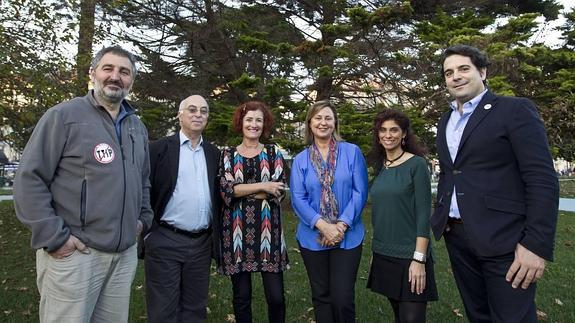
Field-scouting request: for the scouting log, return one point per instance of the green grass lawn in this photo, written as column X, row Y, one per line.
column 19, row 296
column 5, row 191
column 567, row 187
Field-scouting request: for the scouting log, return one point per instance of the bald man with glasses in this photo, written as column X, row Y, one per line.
column 179, row 247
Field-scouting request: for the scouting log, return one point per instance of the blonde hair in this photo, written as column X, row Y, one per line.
column 312, row 111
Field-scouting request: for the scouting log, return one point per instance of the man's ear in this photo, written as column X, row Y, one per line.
column 91, row 74
column 483, row 73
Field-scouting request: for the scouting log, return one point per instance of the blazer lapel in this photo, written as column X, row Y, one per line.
column 210, row 160
column 483, row 108
column 173, row 159
column 442, row 138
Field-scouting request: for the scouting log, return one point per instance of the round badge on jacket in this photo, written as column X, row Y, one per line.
column 104, row 153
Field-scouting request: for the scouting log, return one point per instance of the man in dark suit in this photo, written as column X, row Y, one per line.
column 185, row 200
column 497, row 195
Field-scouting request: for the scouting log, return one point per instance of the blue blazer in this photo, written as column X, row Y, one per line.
column 349, row 187
column 507, row 189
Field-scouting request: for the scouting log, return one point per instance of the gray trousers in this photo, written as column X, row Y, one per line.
column 177, row 276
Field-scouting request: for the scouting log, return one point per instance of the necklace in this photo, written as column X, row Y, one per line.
column 388, row 162
column 254, row 147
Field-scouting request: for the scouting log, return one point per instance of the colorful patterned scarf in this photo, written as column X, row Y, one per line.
column 325, row 172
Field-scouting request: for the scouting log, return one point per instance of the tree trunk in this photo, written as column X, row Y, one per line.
column 324, row 83
column 85, row 40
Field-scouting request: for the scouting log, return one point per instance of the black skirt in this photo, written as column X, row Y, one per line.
column 389, row 276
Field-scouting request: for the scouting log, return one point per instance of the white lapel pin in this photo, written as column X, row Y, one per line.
column 487, row 107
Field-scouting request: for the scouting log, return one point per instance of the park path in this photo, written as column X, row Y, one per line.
column 567, row 204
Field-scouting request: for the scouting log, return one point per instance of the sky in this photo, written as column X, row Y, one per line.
column 552, row 38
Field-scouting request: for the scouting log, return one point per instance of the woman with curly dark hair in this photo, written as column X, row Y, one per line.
column 401, row 268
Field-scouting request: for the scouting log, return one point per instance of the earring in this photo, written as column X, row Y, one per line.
column 403, row 141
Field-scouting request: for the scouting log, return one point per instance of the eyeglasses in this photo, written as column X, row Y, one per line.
column 193, row 110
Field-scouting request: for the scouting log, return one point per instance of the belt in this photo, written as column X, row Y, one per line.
column 191, row 234
column 451, row 220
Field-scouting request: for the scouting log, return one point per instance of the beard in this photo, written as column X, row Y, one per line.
column 110, row 95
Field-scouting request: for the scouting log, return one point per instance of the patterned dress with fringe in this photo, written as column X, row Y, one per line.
column 252, row 238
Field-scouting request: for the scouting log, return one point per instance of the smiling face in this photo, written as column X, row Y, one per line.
column 193, row 115
column 322, row 124
column 253, row 124
column 390, row 135
column 112, row 78
column 464, row 81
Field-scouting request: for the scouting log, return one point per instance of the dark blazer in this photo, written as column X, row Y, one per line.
column 164, row 162
column 507, row 189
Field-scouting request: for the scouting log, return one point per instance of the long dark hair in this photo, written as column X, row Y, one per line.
column 410, row 143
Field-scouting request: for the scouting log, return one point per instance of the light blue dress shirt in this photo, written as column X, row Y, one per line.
column 453, row 133
column 349, row 187
column 190, row 207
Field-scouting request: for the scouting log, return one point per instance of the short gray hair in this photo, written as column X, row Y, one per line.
column 116, row 50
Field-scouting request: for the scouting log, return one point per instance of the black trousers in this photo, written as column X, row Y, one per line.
column 332, row 274
column 177, row 276
column 487, row 296
column 273, row 289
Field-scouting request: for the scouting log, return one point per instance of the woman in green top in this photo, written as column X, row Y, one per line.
column 401, row 267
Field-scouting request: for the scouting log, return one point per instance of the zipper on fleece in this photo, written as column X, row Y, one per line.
column 123, row 192
column 133, row 148
column 83, row 205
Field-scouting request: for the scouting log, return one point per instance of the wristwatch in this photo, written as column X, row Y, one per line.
column 419, row 257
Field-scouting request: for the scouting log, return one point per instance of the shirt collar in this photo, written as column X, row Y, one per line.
column 122, row 113
column 184, row 140
column 470, row 105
